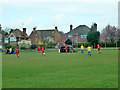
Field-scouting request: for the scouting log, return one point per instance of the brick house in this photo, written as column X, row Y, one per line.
column 43, row 35
column 78, row 34
column 16, row 36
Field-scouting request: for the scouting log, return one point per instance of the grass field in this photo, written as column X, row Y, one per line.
column 55, row 70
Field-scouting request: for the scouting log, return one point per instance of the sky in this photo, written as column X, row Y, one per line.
column 46, row 14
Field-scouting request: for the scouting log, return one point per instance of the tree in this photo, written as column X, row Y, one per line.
column 93, row 37
column 25, row 43
column 109, row 34
column 6, row 33
column 40, row 43
column 49, row 40
column 11, row 30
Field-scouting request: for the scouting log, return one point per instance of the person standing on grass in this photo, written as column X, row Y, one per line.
column 17, row 53
column 82, row 49
column 7, row 51
column 89, row 50
column 66, row 48
column 38, row 49
column 43, row 53
column 99, row 48
column 60, row 49
column 10, row 50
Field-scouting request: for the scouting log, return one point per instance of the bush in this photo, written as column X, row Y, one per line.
column 25, row 43
column 110, row 44
column 33, row 46
column 22, row 48
column 15, row 46
column 78, row 45
column 51, row 45
column 7, row 45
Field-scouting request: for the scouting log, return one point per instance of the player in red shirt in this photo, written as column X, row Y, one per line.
column 66, row 48
column 99, row 48
column 17, row 53
column 43, row 53
column 60, row 49
column 38, row 49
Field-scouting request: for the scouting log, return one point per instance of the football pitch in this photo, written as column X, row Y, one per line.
column 61, row 70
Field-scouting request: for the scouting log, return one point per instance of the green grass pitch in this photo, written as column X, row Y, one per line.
column 61, row 70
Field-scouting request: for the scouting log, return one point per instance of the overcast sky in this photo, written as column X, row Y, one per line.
column 46, row 14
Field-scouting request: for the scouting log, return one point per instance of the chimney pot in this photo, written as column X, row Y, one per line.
column 56, row 28
column 95, row 26
column 71, row 27
column 34, row 28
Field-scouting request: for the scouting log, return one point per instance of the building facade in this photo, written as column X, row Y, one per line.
column 16, row 35
column 78, row 34
column 37, row 36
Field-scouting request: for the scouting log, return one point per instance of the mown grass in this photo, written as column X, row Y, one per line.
column 55, row 70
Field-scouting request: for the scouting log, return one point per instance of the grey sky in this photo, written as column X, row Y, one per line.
column 50, row 13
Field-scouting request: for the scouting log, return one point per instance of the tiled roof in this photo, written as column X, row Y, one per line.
column 43, row 33
column 17, row 33
column 64, row 38
column 80, row 30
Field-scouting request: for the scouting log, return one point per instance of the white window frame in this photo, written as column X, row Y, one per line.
column 12, row 39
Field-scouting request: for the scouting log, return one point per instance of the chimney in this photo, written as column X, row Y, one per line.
column 34, row 28
column 0, row 28
column 95, row 26
column 56, row 28
column 24, row 33
column 71, row 26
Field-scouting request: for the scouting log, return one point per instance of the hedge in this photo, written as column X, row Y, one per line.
column 78, row 45
column 7, row 45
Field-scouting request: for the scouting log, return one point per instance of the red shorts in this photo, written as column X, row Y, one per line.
column 99, row 49
column 17, row 54
column 42, row 51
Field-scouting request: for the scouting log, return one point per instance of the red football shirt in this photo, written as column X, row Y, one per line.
column 60, row 47
column 38, row 48
column 99, row 47
column 65, row 47
column 42, row 50
column 17, row 51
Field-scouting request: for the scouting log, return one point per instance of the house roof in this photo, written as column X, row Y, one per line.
column 80, row 30
column 44, row 33
column 65, row 38
column 17, row 33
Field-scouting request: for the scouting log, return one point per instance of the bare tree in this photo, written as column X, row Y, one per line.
column 109, row 34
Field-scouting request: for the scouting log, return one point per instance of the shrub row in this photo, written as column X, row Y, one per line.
column 77, row 45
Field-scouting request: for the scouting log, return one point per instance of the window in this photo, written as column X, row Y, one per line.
column 6, row 40
column 36, row 39
column 83, row 36
column 12, row 39
column 69, row 36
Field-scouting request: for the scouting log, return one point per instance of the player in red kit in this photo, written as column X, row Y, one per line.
column 60, row 49
column 43, row 53
column 38, row 49
column 99, row 48
column 17, row 53
column 66, row 48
